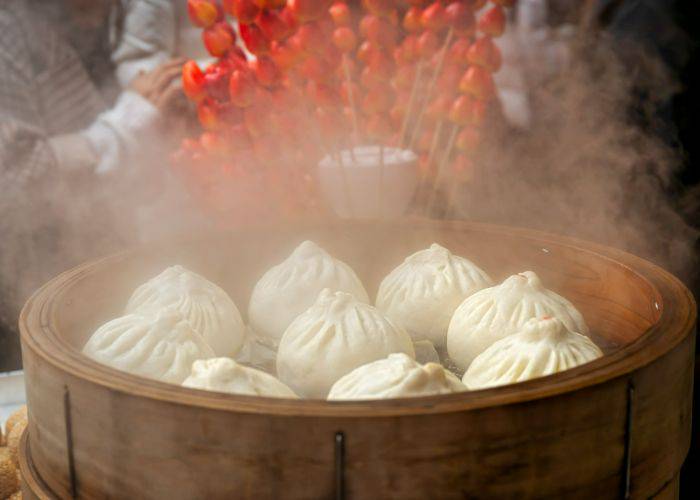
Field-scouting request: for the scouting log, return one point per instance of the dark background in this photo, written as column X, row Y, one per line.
column 685, row 109
column 669, row 29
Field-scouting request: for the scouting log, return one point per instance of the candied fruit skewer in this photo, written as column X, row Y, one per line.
column 430, row 89
column 460, row 20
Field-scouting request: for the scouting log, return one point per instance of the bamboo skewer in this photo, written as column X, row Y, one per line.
column 353, row 109
column 332, row 153
column 346, row 184
column 431, row 157
column 442, row 168
column 451, row 197
column 380, row 185
column 436, row 140
column 411, row 102
column 431, row 87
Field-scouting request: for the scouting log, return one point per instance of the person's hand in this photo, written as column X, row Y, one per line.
column 159, row 86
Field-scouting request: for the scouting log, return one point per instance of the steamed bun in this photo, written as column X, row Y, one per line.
column 207, row 307
column 291, row 287
column 423, row 292
column 162, row 347
column 335, row 335
column 541, row 347
column 225, row 375
column 499, row 311
column 397, row 376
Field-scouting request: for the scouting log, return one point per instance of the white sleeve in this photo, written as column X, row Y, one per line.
column 130, row 68
column 148, row 39
column 117, row 133
column 73, row 152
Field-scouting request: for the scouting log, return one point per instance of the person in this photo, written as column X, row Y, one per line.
column 154, row 32
column 70, row 137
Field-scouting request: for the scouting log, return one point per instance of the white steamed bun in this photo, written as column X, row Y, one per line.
column 291, row 287
column 499, row 311
column 423, row 292
column 397, row 376
column 161, row 347
column 541, row 347
column 225, row 375
column 207, row 307
column 335, row 335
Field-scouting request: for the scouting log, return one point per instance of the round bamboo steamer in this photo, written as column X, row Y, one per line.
column 618, row 427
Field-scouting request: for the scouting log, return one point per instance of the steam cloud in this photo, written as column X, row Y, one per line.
column 593, row 163
column 584, row 168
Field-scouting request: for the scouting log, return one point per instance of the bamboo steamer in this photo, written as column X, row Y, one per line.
column 616, row 427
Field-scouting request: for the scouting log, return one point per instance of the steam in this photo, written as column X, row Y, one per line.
column 592, row 163
column 584, row 167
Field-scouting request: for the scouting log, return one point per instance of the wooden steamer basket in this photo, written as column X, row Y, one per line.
column 616, row 427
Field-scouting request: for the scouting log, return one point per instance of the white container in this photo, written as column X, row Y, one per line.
column 369, row 182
